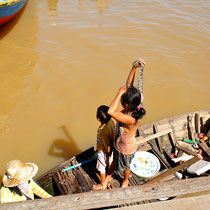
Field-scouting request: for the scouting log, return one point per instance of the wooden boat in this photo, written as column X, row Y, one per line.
column 159, row 138
column 9, row 9
column 72, row 189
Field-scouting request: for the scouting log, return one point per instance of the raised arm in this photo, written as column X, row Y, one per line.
column 132, row 73
column 115, row 113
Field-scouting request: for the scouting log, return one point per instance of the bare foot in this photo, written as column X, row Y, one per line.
column 98, row 187
column 124, row 184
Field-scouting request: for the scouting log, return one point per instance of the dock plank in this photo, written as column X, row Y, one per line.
column 115, row 197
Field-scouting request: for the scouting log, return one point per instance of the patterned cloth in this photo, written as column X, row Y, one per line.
column 122, row 161
column 125, row 140
column 8, row 195
column 102, row 162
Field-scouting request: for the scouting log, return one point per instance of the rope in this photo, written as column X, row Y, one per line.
column 140, row 88
column 140, row 78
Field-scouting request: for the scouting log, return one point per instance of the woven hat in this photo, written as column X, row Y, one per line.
column 18, row 172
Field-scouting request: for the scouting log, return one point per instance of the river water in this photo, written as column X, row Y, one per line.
column 61, row 59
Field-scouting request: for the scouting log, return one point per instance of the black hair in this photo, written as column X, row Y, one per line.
column 132, row 97
column 102, row 114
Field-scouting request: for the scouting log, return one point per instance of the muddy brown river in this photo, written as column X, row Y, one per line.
column 61, row 59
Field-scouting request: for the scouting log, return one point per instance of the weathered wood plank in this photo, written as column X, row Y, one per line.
column 197, row 123
column 81, row 180
column 163, row 161
column 141, row 140
column 72, row 181
column 173, row 170
column 172, row 136
column 190, row 128
column 66, row 181
column 58, row 184
column 205, row 148
column 158, row 138
column 86, row 177
column 114, row 197
column 55, row 169
column 193, row 203
column 186, row 150
column 144, row 147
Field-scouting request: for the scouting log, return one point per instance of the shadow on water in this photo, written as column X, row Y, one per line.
column 7, row 27
column 65, row 148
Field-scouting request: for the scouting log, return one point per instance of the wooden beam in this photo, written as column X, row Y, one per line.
column 115, row 197
column 144, row 147
column 186, row 150
column 194, row 203
column 172, row 136
column 191, row 132
column 141, row 139
column 197, row 122
column 205, row 148
column 158, row 138
column 163, row 160
column 173, row 170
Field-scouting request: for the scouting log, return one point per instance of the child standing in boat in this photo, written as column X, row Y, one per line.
column 105, row 135
column 127, row 123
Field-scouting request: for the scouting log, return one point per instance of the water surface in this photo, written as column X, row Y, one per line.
column 61, row 59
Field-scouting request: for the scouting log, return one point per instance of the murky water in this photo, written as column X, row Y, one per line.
column 61, row 59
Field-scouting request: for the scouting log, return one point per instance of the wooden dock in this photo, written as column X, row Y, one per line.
column 131, row 197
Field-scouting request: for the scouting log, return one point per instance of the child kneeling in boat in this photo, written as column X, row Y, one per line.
column 18, row 184
column 105, row 135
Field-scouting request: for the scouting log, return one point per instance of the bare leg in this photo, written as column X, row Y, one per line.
column 125, row 180
column 101, row 186
column 111, row 170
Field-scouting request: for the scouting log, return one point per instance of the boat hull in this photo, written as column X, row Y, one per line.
column 159, row 138
column 7, row 12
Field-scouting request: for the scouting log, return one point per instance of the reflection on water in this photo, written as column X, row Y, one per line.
column 52, row 6
column 63, row 59
column 65, row 148
column 5, row 29
column 100, row 4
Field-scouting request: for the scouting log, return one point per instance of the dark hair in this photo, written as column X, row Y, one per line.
column 102, row 114
column 132, row 97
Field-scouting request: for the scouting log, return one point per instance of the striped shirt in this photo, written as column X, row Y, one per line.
column 6, row 195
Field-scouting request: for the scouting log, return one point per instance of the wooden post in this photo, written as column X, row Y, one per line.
column 197, row 122
column 158, row 138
